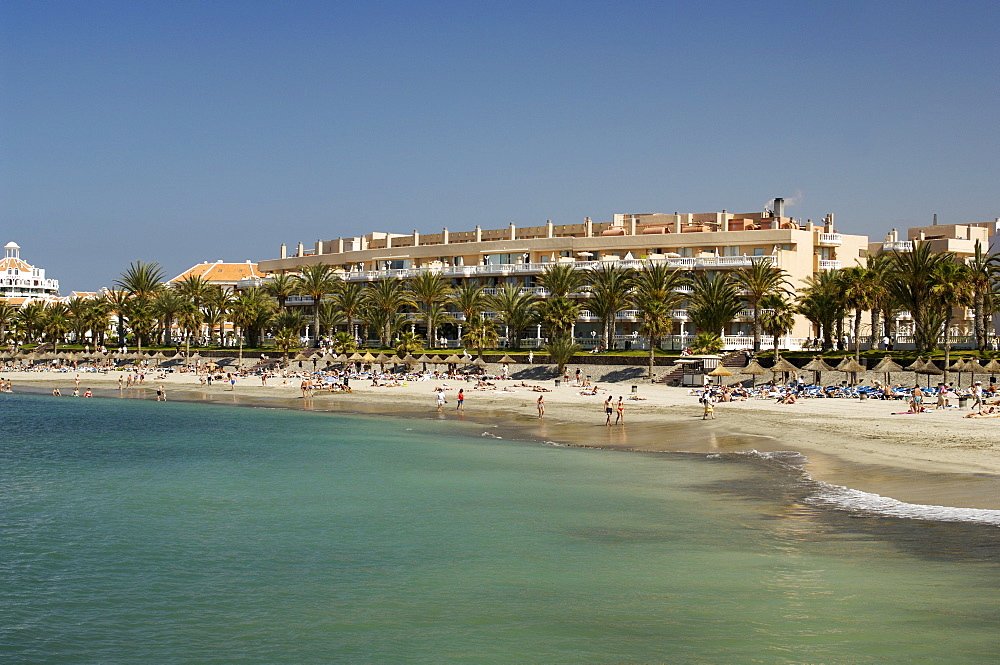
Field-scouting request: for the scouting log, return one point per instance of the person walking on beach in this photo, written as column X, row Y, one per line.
column 441, row 401
column 461, row 400
column 706, row 400
column 608, row 409
column 621, row 411
column 121, row 383
column 541, row 405
column 977, row 396
column 531, row 357
column 161, row 394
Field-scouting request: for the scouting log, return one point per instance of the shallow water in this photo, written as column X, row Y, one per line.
column 141, row 532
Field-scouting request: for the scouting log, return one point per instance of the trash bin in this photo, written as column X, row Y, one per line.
column 963, row 402
column 635, row 390
column 862, row 395
column 557, row 383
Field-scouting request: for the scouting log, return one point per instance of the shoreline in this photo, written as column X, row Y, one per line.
column 937, row 458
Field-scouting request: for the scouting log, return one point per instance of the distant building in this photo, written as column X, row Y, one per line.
column 21, row 282
column 692, row 242
column 224, row 275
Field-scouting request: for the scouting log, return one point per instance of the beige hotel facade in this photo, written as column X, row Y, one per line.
column 518, row 255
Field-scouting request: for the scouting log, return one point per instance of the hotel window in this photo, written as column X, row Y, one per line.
column 824, row 253
column 758, row 251
column 500, row 259
column 395, row 264
column 731, row 251
column 686, row 252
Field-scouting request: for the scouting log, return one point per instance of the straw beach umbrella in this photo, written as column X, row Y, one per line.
column 930, row 369
column 818, row 365
column 850, row 366
column 916, row 365
column 959, row 366
column 720, row 371
column 506, row 359
column 753, row 369
column 973, row 367
column 783, row 367
column 887, row 366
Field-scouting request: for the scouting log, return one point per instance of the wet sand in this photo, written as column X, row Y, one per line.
column 936, row 458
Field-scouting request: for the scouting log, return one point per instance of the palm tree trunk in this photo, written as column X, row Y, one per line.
column 756, row 330
column 652, row 357
column 979, row 301
column 857, row 335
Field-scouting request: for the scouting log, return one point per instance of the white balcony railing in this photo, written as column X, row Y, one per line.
column 897, row 246
column 830, row 240
column 827, row 264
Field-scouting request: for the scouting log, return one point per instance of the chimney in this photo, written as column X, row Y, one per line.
column 779, row 207
column 935, row 219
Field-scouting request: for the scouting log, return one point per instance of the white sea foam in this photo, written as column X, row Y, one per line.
column 858, row 502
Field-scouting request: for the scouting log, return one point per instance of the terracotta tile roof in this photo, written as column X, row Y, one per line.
column 224, row 273
column 18, row 264
column 16, row 302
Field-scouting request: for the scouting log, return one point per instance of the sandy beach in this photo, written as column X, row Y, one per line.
column 934, row 458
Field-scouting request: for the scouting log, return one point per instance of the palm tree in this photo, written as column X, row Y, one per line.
column 31, row 321
column 610, row 289
column 118, row 302
column 288, row 326
column 656, row 295
column 385, row 299
column 480, row 333
column 189, row 319
column 315, row 281
column 820, row 302
column 55, row 322
column 330, row 316
column 252, row 310
column 561, row 279
column 706, row 343
column 881, row 306
column 758, row 281
column 469, row 299
column 281, row 286
column 343, row 342
column 558, row 313
column 349, row 298
column 215, row 311
column 561, row 350
column 141, row 281
column 78, row 316
column 714, row 301
column 428, row 290
column 911, row 284
column 983, row 271
column 195, row 288
column 777, row 317
column 408, row 342
column 951, row 288
column 856, row 293
column 516, row 309
column 167, row 303
column 7, row 315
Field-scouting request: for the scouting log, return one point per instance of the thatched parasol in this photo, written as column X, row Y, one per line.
column 381, row 359
column 368, row 357
column 354, row 357
column 479, row 362
column 887, row 366
column 720, row 371
column 973, row 367
column 817, row 365
column 409, row 359
column 992, row 367
column 753, row 369
column 506, row 359
column 958, row 367
column 916, row 365
column 783, row 367
column 930, row 369
column 453, row 360
column 850, row 366
column 424, row 358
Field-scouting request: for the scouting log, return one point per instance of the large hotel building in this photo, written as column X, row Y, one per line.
column 517, row 255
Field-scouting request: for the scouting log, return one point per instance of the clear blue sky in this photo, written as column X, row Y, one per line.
column 180, row 132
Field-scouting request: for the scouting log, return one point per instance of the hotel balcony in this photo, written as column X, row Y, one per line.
column 897, row 246
column 827, row 264
column 829, row 239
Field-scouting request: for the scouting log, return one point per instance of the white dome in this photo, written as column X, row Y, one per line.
column 12, row 245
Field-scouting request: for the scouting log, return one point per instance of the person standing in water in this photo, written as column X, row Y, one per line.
column 541, row 405
column 607, row 410
column 621, row 411
column 461, row 400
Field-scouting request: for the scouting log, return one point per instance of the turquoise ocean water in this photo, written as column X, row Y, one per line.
column 138, row 532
